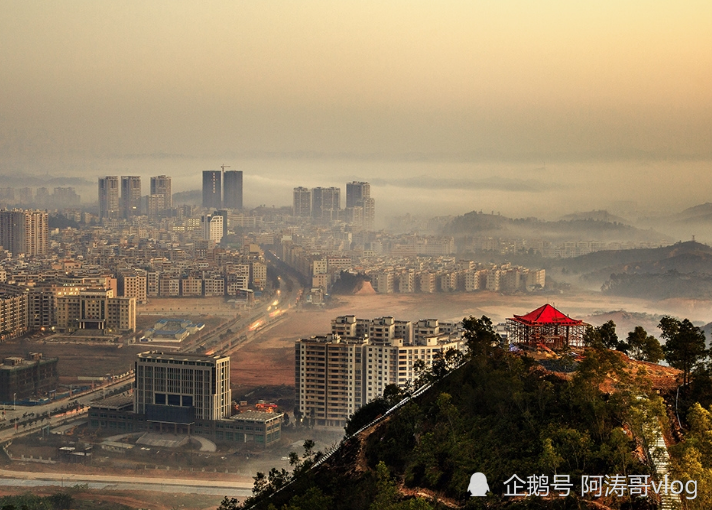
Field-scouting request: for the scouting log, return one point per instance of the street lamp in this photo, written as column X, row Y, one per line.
column 14, row 396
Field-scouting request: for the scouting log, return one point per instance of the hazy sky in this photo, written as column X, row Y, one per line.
column 511, row 96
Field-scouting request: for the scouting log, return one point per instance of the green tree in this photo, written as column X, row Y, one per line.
column 388, row 496
column 479, row 334
column 644, row 347
column 609, row 338
column 685, row 345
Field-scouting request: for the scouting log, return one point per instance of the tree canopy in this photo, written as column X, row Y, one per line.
column 685, row 346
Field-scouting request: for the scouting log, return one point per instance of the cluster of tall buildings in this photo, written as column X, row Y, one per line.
column 222, row 189
column 123, row 199
column 338, row 373
column 323, row 205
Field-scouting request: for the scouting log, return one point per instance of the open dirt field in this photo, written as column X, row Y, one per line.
column 269, row 359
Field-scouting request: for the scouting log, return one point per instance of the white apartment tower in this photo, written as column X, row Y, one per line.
column 24, row 232
column 338, row 373
column 213, row 227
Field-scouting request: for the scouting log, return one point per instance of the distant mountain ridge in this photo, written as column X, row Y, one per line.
column 578, row 227
column 600, row 215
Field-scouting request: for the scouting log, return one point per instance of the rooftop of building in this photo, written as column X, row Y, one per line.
column 115, row 402
column 180, row 356
column 18, row 362
column 256, row 416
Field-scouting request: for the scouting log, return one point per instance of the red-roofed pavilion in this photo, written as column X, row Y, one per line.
column 548, row 326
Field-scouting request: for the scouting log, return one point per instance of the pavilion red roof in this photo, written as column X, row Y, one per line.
column 546, row 314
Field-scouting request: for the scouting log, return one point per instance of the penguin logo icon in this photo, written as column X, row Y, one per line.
column 478, row 485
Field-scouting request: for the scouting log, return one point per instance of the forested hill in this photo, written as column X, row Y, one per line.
column 684, row 257
column 500, row 414
column 477, row 223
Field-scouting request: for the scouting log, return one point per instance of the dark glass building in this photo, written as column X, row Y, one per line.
column 212, row 190
column 232, row 199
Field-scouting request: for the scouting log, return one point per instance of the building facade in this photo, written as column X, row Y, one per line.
column 161, row 186
column 212, row 189
column 13, row 311
column 109, row 197
column 24, row 378
column 182, row 387
column 302, row 202
column 24, row 232
column 96, row 309
column 338, row 373
column 130, row 196
column 232, row 194
column 326, row 203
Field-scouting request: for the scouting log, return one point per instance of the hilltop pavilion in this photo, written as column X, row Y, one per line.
column 548, row 326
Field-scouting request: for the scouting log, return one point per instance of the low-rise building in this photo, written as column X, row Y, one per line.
column 22, row 378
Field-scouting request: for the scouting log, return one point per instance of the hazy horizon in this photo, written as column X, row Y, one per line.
column 525, row 108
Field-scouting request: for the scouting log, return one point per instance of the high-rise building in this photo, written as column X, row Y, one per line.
column 357, row 191
column 130, row 196
column 24, row 232
column 358, row 194
column 213, row 227
column 161, row 185
column 109, row 197
column 212, row 189
column 338, row 373
column 369, row 213
column 232, row 195
column 181, row 388
column 302, row 202
column 326, row 202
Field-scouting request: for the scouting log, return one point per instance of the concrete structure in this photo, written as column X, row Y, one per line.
column 302, row 202
column 335, row 375
column 182, row 388
column 171, row 330
column 356, row 192
column 161, row 187
column 130, row 196
column 109, row 197
column 326, row 203
column 133, row 284
column 115, row 414
column 232, row 194
column 96, row 309
column 212, row 189
column 24, row 232
column 13, row 311
column 24, row 378
column 213, row 227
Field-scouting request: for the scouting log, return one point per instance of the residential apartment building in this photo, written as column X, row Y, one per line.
column 13, row 311
column 130, row 196
column 133, row 284
column 302, row 202
column 109, row 197
column 338, row 373
column 161, row 187
column 24, row 232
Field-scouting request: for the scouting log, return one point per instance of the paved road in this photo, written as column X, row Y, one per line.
column 182, row 485
column 53, row 407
